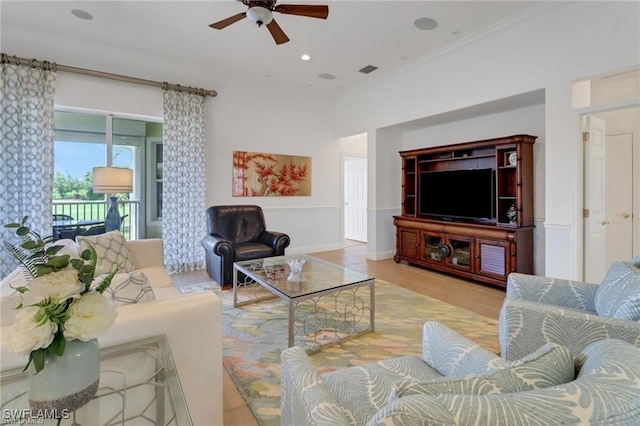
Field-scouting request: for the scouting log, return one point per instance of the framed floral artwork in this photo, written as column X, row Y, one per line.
column 257, row 174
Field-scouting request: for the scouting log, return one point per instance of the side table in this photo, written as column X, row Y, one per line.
column 138, row 385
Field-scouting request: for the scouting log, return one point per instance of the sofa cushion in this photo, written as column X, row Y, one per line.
column 132, row 287
column 618, row 296
column 377, row 378
column 550, row 365
column 112, row 250
column 636, row 261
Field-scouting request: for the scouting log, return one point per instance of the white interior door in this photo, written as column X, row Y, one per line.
column 355, row 199
column 594, row 199
column 619, row 197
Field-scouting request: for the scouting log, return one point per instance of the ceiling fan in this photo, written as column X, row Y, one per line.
column 261, row 12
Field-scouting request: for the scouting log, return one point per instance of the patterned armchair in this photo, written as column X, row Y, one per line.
column 459, row 383
column 538, row 310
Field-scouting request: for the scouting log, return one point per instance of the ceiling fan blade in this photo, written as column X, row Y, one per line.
column 276, row 32
column 311, row 11
column 228, row 21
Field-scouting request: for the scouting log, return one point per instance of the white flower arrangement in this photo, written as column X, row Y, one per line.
column 59, row 303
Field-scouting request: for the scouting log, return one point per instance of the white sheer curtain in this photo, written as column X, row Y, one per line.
column 183, row 195
column 26, row 151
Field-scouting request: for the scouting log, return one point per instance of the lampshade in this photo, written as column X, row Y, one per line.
column 111, row 180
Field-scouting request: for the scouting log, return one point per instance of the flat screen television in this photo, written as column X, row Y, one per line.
column 457, row 194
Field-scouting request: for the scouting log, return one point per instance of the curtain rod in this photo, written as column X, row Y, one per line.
column 6, row 59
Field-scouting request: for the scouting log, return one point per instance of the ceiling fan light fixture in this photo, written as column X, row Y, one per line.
column 260, row 15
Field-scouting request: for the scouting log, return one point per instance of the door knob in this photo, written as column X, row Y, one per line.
column 625, row 215
column 605, row 222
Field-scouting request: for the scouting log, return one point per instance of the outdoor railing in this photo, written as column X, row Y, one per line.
column 97, row 210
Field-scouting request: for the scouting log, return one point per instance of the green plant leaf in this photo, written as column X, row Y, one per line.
column 12, row 225
column 59, row 262
column 23, row 230
column 22, row 289
column 86, row 254
column 77, row 264
column 53, row 250
column 58, row 345
column 37, row 357
column 106, row 281
column 24, row 219
column 29, row 245
column 43, row 270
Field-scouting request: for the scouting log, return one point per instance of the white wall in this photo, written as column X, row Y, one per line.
column 565, row 42
column 250, row 119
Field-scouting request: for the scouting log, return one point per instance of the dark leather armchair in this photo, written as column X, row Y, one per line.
column 238, row 233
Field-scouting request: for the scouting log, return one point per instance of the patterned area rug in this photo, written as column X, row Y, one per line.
column 255, row 335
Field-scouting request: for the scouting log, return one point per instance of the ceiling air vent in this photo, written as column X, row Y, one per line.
column 368, row 69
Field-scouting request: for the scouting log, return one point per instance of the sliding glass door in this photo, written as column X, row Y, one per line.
column 83, row 141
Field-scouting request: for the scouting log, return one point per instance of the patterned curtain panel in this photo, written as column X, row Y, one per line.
column 183, row 194
column 26, row 151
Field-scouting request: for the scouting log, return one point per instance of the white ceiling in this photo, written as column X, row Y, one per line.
column 171, row 40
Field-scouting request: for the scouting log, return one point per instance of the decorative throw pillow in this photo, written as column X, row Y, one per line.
column 112, row 250
column 618, row 295
column 550, row 365
column 636, row 261
column 130, row 288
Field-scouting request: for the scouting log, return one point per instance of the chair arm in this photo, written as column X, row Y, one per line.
column 451, row 354
column 146, row 253
column 306, row 400
column 193, row 326
column 552, row 291
column 277, row 240
column 219, row 246
column 525, row 326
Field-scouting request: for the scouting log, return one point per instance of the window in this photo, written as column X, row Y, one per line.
column 81, row 143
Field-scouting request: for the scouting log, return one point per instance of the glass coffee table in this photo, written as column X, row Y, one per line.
column 139, row 385
column 330, row 305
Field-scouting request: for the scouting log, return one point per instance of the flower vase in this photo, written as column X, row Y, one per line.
column 295, row 273
column 66, row 382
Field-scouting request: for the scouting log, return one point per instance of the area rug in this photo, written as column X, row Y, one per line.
column 256, row 334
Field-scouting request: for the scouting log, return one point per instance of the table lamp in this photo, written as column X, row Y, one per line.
column 112, row 180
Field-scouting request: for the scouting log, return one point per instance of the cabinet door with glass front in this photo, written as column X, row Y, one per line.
column 433, row 244
column 460, row 252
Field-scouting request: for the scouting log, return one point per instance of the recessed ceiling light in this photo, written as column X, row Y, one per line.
column 327, row 76
column 305, row 57
column 425, row 24
column 78, row 13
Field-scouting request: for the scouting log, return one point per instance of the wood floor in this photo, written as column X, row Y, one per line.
column 478, row 298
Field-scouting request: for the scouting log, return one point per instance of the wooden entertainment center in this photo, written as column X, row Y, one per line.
column 486, row 248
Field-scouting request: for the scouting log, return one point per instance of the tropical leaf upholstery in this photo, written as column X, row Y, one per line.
column 451, row 354
column 605, row 392
column 549, row 366
column 538, row 310
column 360, row 395
column 618, row 295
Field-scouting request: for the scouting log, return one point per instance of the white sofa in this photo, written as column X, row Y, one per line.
column 191, row 322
